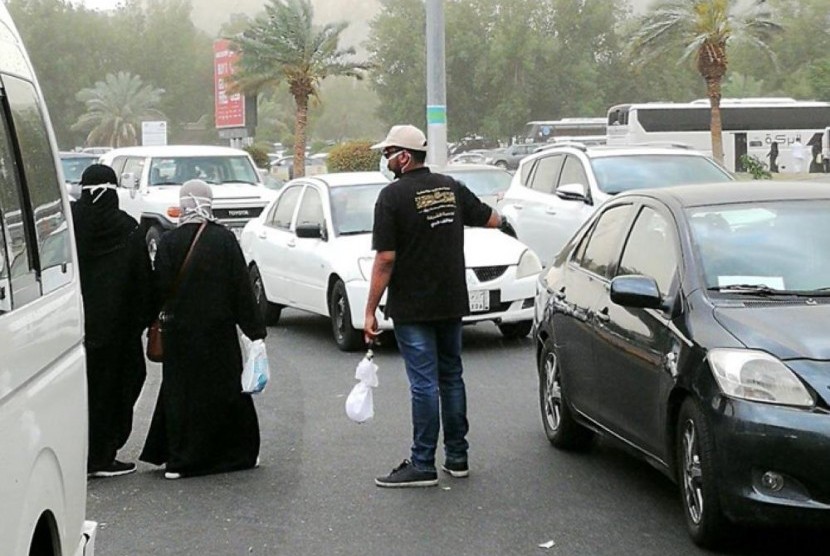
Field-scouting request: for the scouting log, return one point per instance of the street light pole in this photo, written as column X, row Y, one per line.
column 436, row 85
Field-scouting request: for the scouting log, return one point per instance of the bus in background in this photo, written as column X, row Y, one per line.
column 43, row 400
column 548, row 130
column 772, row 130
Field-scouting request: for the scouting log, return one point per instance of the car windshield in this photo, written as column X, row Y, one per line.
column 353, row 208
column 483, row 182
column 616, row 174
column 764, row 248
column 74, row 167
column 212, row 169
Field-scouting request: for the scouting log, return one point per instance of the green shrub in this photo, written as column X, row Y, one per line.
column 259, row 154
column 755, row 167
column 353, row 156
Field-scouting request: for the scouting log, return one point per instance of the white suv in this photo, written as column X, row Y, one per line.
column 555, row 190
column 150, row 178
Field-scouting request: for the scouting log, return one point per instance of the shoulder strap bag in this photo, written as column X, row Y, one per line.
column 155, row 342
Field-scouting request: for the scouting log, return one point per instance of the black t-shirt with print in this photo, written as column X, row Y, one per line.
column 421, row 217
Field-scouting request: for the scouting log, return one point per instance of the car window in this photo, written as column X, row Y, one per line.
column 546, row 173
column 44, row 185
column 16, row 271
column 311, row 208
column 603, row 246
column 615, row 174
column 574, row 172
column 215, row 170
column 118, row 165
column 133, row 165
column 284, row 210
column 353, row 208
column 650, row 249
column 483, row 182
column 73, row 167
column 525, row 171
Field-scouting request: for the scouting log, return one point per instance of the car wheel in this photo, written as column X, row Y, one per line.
column 501, row 164
column 345, row 335
column 270, row 311
column 561, row 428
column 515, row 330
column 152, row 238
column 696, row 476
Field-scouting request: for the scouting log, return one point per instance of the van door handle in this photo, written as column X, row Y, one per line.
column 602, row 315
column 518, row 206
column 291, row 243
column 550, row 210
column 560, row 295
column 262, row 234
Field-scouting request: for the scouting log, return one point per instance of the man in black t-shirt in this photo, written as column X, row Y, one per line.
column 418, row 237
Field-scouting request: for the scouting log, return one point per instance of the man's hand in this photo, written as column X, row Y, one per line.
column 370, row 329
column 506, row 227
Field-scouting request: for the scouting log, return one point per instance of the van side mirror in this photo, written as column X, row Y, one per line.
column 129, row 180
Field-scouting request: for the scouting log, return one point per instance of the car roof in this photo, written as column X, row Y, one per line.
column 176, row 150
column 736, row 192
column 76, row 154
column 462, row 167
column 344, row 179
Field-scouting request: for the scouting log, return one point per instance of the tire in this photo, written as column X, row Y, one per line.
column 515, row 330
column 152, row 238
column 561, row 428
column 699, row 492
column 501, row 164
column 346, row 336
column 270, row 311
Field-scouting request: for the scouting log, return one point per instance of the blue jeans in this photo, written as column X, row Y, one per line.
column 432, row 354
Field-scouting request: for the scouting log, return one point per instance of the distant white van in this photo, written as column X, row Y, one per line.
column 43, row 404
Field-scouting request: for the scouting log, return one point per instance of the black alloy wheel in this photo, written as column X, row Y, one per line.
column 270, row 311
column 346, row 336
column 560, row 426
column 697, row 478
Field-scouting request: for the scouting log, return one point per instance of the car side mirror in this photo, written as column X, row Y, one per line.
column 636, row 291
column 572, row 192
column 129, row 180
column 310, row 231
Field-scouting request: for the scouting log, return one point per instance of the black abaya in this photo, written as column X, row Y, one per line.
column 203, row 423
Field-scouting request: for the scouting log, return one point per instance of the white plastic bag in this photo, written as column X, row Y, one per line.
column 255, row 373
column 360, row 403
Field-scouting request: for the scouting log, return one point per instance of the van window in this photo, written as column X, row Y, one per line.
column 41, row 177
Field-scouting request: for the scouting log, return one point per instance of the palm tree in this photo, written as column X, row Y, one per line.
column 704, row 28
column 284, row 46
column 115, row 109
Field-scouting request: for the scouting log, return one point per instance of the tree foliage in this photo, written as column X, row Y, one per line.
column 115, row 109
column 353, row 156
column 284, row 45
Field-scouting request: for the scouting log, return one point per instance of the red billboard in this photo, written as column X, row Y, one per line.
column 229, row 108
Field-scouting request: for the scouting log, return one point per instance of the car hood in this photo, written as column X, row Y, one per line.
column 797, row 331
column 482, row 247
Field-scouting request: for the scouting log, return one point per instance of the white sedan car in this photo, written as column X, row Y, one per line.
column 311, row 249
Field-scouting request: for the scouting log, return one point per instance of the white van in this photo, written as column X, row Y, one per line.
column 43, row 404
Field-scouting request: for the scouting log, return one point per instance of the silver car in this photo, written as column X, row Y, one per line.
column 556, row 190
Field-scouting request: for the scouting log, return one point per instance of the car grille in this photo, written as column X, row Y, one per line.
column 236, row 213
column 487, row 273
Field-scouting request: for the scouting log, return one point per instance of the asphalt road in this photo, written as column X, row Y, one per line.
column 314, row 492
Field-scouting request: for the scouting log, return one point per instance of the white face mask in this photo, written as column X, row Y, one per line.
column 97, row 190
column 384, row 168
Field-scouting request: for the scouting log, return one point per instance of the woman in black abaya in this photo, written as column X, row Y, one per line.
column 203, row 423
column 116, row 283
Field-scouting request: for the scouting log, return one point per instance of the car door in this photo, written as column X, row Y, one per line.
column 532, row 217
column 307, row 261
column 130, row 199
column 584, row 287
column 565, row 211
column 274, row 240
column 635, row 348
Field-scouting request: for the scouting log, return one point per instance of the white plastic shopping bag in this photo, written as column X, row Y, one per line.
column 360, row 404
column 255, row 373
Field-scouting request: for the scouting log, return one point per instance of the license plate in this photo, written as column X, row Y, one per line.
column 479, row 301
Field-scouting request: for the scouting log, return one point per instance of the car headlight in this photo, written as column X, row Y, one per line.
column 757, row 376
column 529, row 264
column 365, row 264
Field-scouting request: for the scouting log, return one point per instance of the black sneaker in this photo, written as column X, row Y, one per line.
column 459, row 469
column 114, row 469
column 406, row 475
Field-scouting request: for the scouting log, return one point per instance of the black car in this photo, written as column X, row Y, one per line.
column 691, row 323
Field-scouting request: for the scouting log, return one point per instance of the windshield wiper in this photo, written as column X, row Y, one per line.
column 764, row 290
column 354, row 232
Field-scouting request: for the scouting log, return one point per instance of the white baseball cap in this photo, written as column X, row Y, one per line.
column 404, row 136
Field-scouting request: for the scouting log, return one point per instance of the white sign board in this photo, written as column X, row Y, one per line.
column 154, row 133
